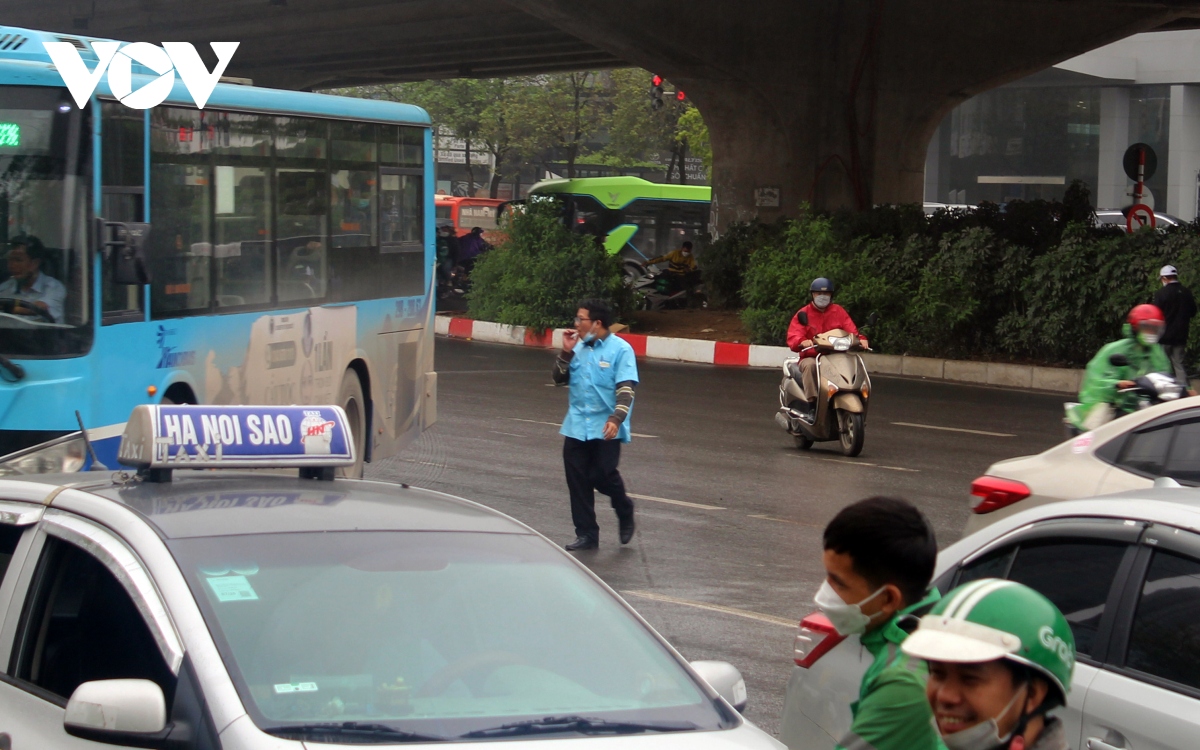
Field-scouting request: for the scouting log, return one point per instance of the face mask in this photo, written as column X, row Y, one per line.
column 1148, row 338
column 983, row 736
column 589, row 337
column 847, row 619
column 822, row 300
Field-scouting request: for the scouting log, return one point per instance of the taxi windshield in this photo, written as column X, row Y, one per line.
column 436, row 633
column 45, row 161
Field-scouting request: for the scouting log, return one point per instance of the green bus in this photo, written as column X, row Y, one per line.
column 638, row 219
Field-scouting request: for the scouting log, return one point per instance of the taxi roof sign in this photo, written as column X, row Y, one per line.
column 315, row 439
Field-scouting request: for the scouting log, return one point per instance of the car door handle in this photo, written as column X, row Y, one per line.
column 1095, row 743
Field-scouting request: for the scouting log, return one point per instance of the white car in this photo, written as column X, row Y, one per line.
column 1124, row 569
column 207, row 610
column 1126, row 454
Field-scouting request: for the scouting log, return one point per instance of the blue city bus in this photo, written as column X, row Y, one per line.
column 275, row 247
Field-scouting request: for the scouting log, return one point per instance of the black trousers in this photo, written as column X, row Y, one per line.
column 592, row 465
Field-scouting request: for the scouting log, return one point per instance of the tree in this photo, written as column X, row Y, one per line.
column 563, row 111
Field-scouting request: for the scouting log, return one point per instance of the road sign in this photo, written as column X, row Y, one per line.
column 1131, row 159
column 1139, row 217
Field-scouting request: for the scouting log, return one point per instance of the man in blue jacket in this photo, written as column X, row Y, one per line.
column 602, row 371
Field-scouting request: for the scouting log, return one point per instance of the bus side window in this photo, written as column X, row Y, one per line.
column 123, row 194
column 180, row 245
column 242, row 256
column 301, row 209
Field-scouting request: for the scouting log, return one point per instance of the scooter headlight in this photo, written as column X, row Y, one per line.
column 840, row 344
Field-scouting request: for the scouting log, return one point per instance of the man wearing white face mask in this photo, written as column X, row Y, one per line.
column 879, row 559
column 823, row 315
column 1100, row 397
column 1000, row 657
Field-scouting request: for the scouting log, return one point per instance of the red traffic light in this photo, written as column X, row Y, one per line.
column 656, row 81
column 680, row 95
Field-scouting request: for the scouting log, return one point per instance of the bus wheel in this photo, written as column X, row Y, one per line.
column 350, row 396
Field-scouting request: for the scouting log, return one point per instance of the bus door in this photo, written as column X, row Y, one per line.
column 122, row 199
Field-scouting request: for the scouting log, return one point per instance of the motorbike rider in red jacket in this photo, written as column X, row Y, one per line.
column 823, row 315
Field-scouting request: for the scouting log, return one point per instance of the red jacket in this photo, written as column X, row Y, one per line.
column 819, row 321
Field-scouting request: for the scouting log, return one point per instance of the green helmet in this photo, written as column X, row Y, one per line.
column 993, row 619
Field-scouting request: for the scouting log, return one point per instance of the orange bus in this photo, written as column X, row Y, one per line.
column 464, row 213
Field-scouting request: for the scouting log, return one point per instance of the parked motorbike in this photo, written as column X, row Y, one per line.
column 843, row 386
column 1150, row 389
column 658, row 291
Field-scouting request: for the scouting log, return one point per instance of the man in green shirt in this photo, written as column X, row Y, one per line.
column 879, row 559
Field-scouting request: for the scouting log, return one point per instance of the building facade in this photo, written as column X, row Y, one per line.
column 1030, row 139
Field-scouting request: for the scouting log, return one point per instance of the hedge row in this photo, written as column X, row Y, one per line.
column 1036, row 281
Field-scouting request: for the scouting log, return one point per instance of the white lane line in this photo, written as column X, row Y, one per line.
column 772, row 619
column 953, row 429
column 788, row 520
column 676, row 502
column 510, row 434
column 858, row 463
column 559, row 424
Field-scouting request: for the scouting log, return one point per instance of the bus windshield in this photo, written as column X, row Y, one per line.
column 44, row 168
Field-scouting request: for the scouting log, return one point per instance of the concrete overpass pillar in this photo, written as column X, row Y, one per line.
column 1183, row 167
column 834, row 102
column 1112, row 184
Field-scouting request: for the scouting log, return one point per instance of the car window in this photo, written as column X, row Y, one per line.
column 992, row 565
column 82, row 625
column 1184, row 462
column 1146, row 450
column 1076, row 575
column 9, row 536
column 1165, row 639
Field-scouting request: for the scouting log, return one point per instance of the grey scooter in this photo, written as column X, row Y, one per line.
column 843, row 393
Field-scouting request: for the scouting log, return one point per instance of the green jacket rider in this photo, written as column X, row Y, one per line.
column 1099, row 399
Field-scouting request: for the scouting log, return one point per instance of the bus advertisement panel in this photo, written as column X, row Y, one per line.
column 273, row 248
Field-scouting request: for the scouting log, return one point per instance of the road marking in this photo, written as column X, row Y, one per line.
column 858, row 463
column 788, row 520
column 953, row 429
column 676, row 502
column 772, row 619
column 510, row 434
column 559, row 424
column 481, row 372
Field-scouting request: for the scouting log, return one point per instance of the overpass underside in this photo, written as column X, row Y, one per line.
column 829, row 102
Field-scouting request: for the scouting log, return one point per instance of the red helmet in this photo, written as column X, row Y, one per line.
column 1143, row 313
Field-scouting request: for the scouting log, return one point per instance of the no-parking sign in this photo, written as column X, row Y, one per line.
column 1140, row 216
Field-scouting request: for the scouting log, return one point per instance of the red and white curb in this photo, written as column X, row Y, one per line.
column 1027, row 377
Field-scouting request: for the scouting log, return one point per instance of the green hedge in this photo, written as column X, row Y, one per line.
column 1034, row 282
column 539, row 273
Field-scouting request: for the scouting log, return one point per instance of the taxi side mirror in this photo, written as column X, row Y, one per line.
column 131, row 713
column 725, row 679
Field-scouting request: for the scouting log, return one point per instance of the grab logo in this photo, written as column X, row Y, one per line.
column 166, row 61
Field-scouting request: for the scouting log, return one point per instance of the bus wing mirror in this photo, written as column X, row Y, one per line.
column 123, row 244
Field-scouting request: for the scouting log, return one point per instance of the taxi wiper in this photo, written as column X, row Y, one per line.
column 351, row 731
column 580, row 724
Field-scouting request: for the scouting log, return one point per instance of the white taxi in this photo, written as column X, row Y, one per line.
column 164, row 607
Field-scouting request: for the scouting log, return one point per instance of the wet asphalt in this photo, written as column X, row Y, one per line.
column 739, row 511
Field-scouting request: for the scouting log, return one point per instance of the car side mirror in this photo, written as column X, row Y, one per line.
column 1118, row 360
column 802, row 317
column 127, row 712
column 725, row 679
column 123, row 246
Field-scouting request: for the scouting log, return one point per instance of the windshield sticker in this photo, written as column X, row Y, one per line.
column 296, row 687
column 233, row 589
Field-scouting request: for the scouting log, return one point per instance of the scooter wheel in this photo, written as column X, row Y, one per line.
column 852, row 433
column 802, row 442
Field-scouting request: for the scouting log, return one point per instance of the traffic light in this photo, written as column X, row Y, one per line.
column 680, row 96
column 656, row 92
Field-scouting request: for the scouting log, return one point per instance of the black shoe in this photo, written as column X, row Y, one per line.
column 627, row 529
column 584, row 542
